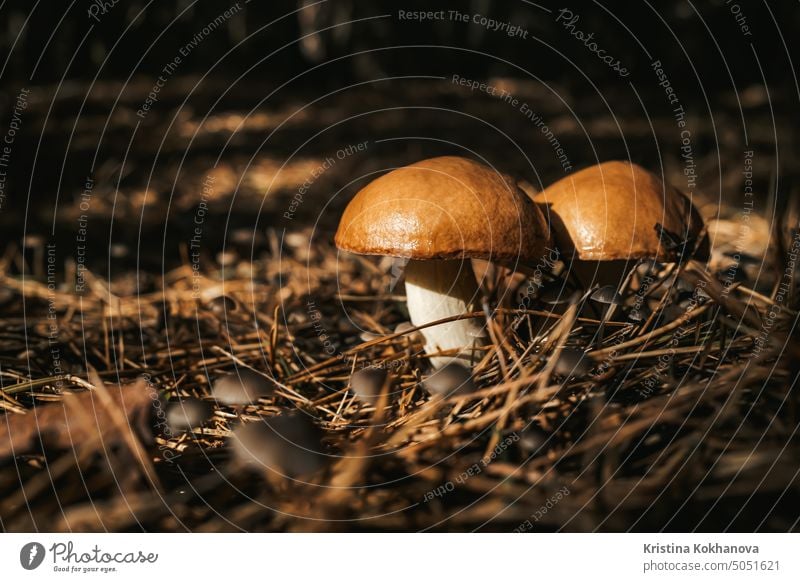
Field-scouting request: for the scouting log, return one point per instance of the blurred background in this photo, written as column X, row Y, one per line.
column 265, row 92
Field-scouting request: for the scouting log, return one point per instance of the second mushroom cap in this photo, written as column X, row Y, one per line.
column 613, row 211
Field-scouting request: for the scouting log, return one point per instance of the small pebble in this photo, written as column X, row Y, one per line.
column 366, row 384
column 188, row 413
column 296, row 240
column 453, row 378
column 572, row 362
column 368, row 336
column 289, row 444
column 241, row 387
column 6, row 295
column 118, row 250
column 405, row 327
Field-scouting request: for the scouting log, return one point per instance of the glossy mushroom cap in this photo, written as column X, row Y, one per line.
column 444, row 208
column 611, row 211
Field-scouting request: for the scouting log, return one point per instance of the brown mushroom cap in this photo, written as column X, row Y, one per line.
column 610, row 211
column 443, row 208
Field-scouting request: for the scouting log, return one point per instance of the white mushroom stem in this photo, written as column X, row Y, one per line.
column 437, row 290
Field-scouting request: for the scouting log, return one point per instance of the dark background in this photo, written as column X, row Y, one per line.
column 354, row 75
column 135, row 38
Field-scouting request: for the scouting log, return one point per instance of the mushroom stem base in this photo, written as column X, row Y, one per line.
column 437, row 289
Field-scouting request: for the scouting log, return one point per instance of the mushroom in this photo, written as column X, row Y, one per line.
column 288, row 444
column 242, row 387
column 572, row 362
column 438, row 214
column 449, row 380
column 618, row 211
column 367, row 383
column 187, row 413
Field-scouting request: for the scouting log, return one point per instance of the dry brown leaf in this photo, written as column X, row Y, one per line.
column 80, row 419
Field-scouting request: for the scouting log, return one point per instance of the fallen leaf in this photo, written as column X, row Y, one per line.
column 79, row 419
